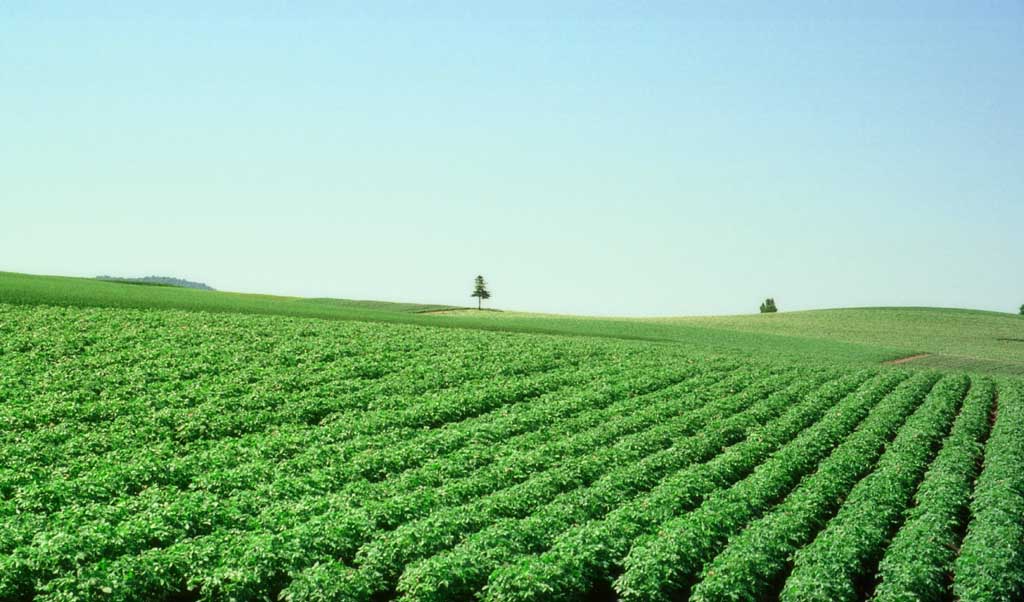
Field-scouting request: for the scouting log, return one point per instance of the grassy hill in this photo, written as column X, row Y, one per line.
column 961, row 339
column 25, row 289
column 29, row 289
column 977, row 341
column 953, row 339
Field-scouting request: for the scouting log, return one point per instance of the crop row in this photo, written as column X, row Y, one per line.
column 132, row 365
column 344, row 513
column 304, row 512
column 689, row 437
column 581, row 558
column 315, row 446
column 838, row 565
column 127, row 527
column 465, row 570
column 79, row 480
column 159, row 416
column 918, row 565
column 91, row 494
column 672, row 560
column 990, row 567
column 756, row 561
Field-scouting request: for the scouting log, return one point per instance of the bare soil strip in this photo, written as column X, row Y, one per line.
column 909, row 358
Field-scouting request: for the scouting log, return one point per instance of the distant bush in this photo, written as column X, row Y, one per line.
column 768, row 307
column 1022, row 310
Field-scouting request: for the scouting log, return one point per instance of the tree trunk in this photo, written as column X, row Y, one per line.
column 478, row 302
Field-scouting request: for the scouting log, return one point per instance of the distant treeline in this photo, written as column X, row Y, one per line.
column 159, row 281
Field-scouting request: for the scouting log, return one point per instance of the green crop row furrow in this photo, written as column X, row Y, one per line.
column 335, row 442
column 919, row 563
column 166, row 456
column 383, row 559
column 367, row 518
column 164, row 427
column 835, row 565
column 295, row 522
column 183, row 375
column 671, row 561
column 386, row 504
column 584, row 556
column 92, row 498
column 460, row 573
column 757, row 560
column 128, row 527
column 377, row 454
column 126, row 478
column 454, row 482
column 990, row 567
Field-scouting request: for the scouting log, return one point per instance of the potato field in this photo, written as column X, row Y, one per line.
column 176, row 456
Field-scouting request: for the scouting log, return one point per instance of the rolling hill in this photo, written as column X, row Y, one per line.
column 952, row 339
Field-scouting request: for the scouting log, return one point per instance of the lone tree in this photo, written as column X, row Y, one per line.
column 768, row 307
column 1022, row 310
column 480, row 291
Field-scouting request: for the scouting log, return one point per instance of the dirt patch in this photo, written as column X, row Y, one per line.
column 909, row 358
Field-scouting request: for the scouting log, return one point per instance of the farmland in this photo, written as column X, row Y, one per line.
column 165, row 454
column 952, row 340
column 955, row 339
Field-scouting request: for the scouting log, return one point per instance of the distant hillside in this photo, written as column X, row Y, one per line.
column 159, row 281
column 956, row 339
column 944, row 339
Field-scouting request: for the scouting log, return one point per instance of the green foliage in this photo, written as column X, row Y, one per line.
column 584, row 555
column 956, row 340
column 166, row 454
column 918, row 565
column 833, row 567
column 23, row 289
column 755, row 563
column 480, row 554
column 480, row 290
column 768, row 306
column 990, row 566
column 660, row 567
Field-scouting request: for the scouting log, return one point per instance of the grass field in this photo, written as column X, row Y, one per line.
column 186, row 445
column 90, row 292
column 957, row 340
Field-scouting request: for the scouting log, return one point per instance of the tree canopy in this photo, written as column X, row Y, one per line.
column 480, row 291
column 768, row 307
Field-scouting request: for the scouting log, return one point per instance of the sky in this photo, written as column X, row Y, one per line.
column 619, row 158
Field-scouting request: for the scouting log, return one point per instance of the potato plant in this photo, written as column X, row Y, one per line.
column 168, row 455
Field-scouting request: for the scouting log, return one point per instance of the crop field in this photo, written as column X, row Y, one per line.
column 174, row 455
column 951, row 340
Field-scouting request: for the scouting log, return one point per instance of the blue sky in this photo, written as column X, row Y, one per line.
column 601, row 158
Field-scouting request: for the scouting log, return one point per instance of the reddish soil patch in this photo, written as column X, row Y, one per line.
column 909, row 358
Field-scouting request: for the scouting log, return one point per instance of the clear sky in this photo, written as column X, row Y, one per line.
column 627, row 158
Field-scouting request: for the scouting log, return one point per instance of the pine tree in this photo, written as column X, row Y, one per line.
column 480, row 291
